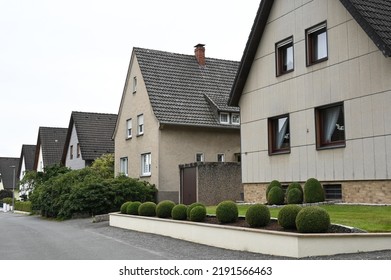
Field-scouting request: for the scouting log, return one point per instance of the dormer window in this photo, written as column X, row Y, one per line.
column 224, row 118
column 235, row 118
column 229, row 118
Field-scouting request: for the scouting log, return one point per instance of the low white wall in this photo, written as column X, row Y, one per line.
column 294, row 245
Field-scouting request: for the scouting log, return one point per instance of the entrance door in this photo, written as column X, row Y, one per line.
column 188, row 185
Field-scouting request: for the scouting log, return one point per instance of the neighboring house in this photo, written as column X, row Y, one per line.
column 89, row 137
column 49, row 148
column 174, row 111
column 26, row 163
column 8, row 174
column 314, row 89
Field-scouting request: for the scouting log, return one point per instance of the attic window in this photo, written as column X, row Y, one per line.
column 134, row 84
column 284, row 56
column 235, row 118
column 227, row 118
column 316, row 44
column 224, row 118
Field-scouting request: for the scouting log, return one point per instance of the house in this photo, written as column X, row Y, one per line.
column 174, row 111
column 8, row 172
column 26, row 163
column 314, row 90
column 89, row 136
column 49, row 148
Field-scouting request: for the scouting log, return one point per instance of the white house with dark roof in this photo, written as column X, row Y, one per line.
column 49, row 148
column 89, row 136
column 314, row 90
column 174, row 111
column 26, row 163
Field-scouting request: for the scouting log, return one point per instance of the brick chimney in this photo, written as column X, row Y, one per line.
column 199, row 52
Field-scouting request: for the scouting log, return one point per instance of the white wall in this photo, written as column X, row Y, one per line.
column 75, row 162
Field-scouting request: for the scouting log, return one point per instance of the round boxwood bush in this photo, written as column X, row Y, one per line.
column 198, row 214
column 312, row 219
column 227, row 212
column 258, row 215
column 132, row 208
column 294, row 196
column 124, row 206
column 179, row 212
column 287, row 216
column 191, row 206
column 147, row 209
column 294, row 185
column 164, row 208
column 313, row 191
column 276, row 196
column 272, row 184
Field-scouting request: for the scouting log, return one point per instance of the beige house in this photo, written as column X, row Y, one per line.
column 174, row 111
column 314, row 90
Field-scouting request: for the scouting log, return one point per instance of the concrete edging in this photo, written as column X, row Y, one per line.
column 286, row 244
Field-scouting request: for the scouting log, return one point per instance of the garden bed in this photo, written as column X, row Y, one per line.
column 272, row 241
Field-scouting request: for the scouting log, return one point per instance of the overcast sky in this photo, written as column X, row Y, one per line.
column 60, row 56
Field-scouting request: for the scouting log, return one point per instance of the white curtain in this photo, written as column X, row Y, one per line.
column 330, row 118
column 282, row 127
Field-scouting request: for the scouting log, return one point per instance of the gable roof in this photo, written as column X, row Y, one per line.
column 51, row 140
column 28, row 153
column 183, row 92
column 374, row 16
column 7, row 172
column 94, row 132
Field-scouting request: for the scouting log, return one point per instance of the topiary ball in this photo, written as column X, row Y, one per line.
column 164, row 208
column 294, row 185
column 147, row 209
column 313, row 191
column 294, row 196
column 198, row 214
column 191, row 206
column 179, row 212
column 272, row 184
column 287, row 216
column 258, row 215
column 227, row 212
column 312, row 219
column 132, row 208
column 123, row 207
column 276, row 196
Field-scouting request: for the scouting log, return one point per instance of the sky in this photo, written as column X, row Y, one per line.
column 60, row 56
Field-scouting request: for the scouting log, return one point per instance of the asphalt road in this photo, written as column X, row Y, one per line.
column 34, row 238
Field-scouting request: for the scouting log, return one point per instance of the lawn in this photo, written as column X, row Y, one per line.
column 369, row 218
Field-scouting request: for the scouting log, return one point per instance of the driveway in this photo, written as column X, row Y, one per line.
column 34, row 238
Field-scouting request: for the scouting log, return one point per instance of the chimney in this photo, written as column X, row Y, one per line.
column 200, row 54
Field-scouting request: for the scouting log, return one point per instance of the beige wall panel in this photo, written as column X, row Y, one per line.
column 338, row 164
column 298, row 128
column 375, row 62
column 352, row 37
column 353, row 119
column 245, row 108
column 369, row 158
column 366, row 116
column 303, row 163
column 358, row 158
column 295, row 164
column 364, row 77
column 353, row 77
column 387, row 114
column 380, row 109
column 280, row 8
column 308, row 90
column 337, row 14
column 380, row 157
column 311, row 162
column 321, row 87
column 388, row 155
column 310, row 132
column 256, row 108
column 264, row 166
column 347, row 157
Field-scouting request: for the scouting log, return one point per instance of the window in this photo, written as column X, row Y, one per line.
column 330, row 126
column 235, row 118
column 146, row 164
column 316, row 44
column 129, row 128
column 284, row 56
column 333, row 191
column 279, row 137
column 134, row 84
column 78, row 150
column 71, row 152
column 224, row 118
column 220, row 157
column 140, row 124
column 199, row 157
column 123, row 166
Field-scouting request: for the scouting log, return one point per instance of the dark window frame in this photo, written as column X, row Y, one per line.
column 311, row 43
column 272, row 126
column 281, row 48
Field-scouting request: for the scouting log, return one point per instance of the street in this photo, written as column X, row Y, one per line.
column 26, row 237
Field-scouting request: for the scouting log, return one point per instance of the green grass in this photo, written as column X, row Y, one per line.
column 369, row 218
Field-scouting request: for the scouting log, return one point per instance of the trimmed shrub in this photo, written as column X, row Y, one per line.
column 312, row 219
column 276, row 196
column 287, row 215
column 294, row 196
column 164, row 208
column 227, row 212
column 7, row 200
column 198, row 214
column 258, row 215
column 24, row 206
column 191, row 206
column 179, row 212
column 147, row 209
column 132, row 208
column 313, row 191
column 294, row 185
column 272, row 184
column 123, row 207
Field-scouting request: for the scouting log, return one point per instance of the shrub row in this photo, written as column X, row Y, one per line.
column 295, row 193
